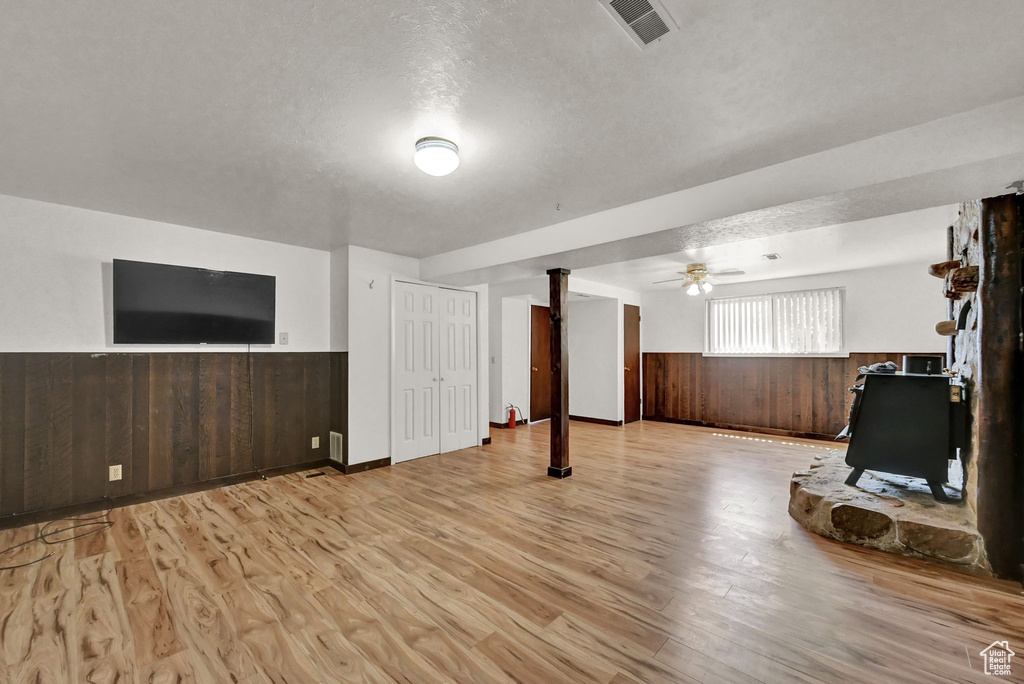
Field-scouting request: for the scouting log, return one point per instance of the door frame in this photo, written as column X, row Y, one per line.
column 639, row 364
column 481, row 367
column 529, row 364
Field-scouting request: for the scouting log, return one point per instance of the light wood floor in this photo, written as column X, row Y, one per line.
column 668, row 556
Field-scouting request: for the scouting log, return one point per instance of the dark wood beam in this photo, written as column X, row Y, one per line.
column 1000, row 386
column 558, row 280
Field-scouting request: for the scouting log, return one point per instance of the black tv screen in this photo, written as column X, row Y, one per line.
column 161, row 304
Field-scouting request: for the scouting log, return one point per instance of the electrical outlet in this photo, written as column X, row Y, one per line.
column 114, row 473
column 316, row 442
column 282, row 338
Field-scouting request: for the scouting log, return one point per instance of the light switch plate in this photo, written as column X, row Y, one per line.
column 316, row 442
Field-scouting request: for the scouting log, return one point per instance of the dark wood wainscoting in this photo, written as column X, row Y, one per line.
column 339, row 401
column 167, row 419
column 797, row 396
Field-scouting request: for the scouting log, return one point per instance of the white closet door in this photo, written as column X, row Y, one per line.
column 458, row 370
column 416, row 378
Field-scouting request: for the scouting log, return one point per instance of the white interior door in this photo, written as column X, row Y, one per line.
column 458, row 369
column 415, row 418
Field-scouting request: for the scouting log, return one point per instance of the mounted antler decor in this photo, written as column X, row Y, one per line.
column 950, row 328
column 961, row 280
column 940, row 269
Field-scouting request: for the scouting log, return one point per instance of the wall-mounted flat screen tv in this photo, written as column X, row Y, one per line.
column 162, row 304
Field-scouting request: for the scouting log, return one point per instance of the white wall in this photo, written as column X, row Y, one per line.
column 510, row 342
column 515, row 366
column 369, row 340
column 339, row 299
column 483, row 315
column 55, row 294
column 55, row 277
column 494, row 328
column 595, row 359
column 369, row 349
column 601, row 290
column 510, row 359
column 672, row 321
column 888, row 309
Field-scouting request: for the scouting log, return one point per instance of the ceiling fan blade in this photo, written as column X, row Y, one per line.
column 671, row 280
column 731, row 272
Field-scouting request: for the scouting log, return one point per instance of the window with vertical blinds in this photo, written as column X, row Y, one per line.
column 805, row 322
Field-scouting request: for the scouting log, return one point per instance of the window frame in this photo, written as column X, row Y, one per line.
column 842, row 353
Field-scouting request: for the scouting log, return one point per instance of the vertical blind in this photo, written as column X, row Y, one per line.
column 805, row 322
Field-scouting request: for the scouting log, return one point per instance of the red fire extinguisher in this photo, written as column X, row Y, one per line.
column 511, row 417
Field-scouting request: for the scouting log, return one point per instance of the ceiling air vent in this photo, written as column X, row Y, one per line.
column 645, row 21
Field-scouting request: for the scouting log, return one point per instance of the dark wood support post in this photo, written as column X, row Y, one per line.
column 950, row 340
column 1000, row 387
column 559, row 292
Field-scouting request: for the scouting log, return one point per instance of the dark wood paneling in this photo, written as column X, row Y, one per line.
column 339, row 399
column 12, row 433
column 279, row 421
column 185, row 397
column 168, row 419
column 215, row 400
column 317, row 415
column 596, row 421
column 504, row 426
column 631, row 361
column 672, row 386
column 339, row 384
column 88, row 424
column 48, row 411
column 366, row 465
column 241, row 419
column 119, row 501
column 805, row 396
column 142, row 423
column 161, row 430
column 118, row 421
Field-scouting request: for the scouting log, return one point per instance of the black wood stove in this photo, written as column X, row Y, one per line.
column 906, row 424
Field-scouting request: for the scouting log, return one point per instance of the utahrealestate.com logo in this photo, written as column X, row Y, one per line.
column 997, row 658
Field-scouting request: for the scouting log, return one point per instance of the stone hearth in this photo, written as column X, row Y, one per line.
column 888, row 512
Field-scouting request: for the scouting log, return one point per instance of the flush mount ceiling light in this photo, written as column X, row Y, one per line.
column 436, row 156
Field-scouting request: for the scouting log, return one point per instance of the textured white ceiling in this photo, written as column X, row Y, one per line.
column 295, row 121
column 913, row 237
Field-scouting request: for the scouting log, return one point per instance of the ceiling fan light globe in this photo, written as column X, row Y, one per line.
column 707, row 287
column 693, row 290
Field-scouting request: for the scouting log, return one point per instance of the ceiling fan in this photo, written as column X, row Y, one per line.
column 697, row 276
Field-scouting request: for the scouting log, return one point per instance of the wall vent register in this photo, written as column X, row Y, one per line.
column 644, row 21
